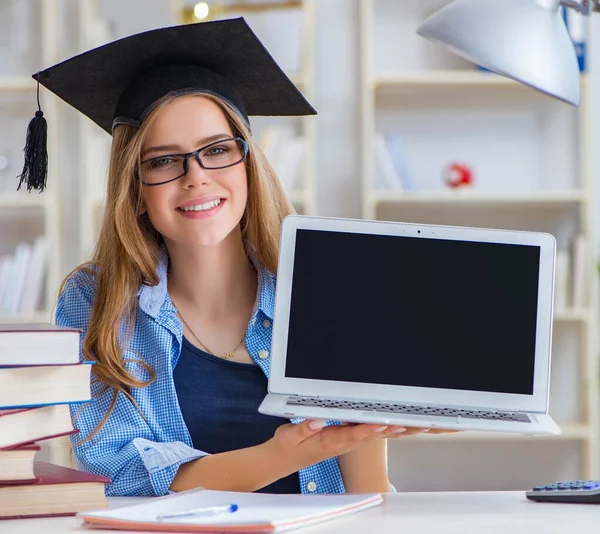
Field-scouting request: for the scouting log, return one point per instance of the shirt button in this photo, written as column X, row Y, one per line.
column 311, row 486
column 263, row 354
column 266, row 323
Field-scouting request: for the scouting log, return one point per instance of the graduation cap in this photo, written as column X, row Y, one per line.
column 120, row 82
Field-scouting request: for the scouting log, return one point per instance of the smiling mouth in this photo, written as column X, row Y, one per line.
column 206, row 206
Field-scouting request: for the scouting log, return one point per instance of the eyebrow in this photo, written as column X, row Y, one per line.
column 174, row 148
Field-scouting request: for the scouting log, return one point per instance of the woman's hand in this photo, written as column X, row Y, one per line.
column 295, row 446
column 311, row 442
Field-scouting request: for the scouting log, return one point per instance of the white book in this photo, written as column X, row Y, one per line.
column 34, row 284
column 38, row 344
column 581, row 272
column 16, row 280
column 397, row 151
column 386, row 175
column 5, row 268
column 561, row 281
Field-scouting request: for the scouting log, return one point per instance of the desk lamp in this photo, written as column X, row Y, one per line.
column 526, row 40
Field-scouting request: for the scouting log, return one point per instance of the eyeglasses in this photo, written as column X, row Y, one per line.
column 170, row 167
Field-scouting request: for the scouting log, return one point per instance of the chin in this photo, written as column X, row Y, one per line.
column 206, row 237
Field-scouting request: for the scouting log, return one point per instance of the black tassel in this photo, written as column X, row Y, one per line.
column 35, row 168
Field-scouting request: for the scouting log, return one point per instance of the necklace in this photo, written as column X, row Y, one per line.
column 227, row 356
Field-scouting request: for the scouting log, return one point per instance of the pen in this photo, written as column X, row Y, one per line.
column 207, row 511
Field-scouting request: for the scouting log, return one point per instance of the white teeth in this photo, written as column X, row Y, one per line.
column 202, row 207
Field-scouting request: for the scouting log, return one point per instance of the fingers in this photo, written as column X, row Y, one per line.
column 345, row 437
column 415, row 431
column 295, row 434
column 397, row 432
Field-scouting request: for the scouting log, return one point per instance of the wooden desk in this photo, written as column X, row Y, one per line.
column 422, row 513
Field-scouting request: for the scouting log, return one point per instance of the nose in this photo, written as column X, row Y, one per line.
column 196, row 175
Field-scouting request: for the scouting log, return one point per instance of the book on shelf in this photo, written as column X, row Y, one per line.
column 562, row 295
column 254, row 512
column 38, row 344
column 56, row 491
column 392, row 171
column 582, row 271
column 41, row 385
column 22, row 426
column 16, row 465
column 285, row 150
column 386, row 175
column 22, row 277
column 397, row 150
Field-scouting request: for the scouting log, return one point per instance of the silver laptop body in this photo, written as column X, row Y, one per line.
column 416, row 325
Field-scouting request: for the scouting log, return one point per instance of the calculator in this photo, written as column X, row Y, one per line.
column 573, row 491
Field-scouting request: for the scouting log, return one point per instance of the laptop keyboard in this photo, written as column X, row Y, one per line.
column 407, row 409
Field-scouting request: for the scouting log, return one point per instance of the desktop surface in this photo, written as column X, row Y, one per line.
column 422, row 513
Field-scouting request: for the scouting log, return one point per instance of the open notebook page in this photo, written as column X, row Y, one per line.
column 257, row 512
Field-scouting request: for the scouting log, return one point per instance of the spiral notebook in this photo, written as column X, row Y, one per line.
column 254, row 512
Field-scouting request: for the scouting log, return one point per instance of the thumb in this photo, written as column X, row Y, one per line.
column 308, row 428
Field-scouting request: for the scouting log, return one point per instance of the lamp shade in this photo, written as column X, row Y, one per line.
column 526, row 40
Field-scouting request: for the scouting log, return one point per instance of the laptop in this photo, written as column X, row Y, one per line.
column 413, row 324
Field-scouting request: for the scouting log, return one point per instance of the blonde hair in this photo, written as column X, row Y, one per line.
column 127, row 252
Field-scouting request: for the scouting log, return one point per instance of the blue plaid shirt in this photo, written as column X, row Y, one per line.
column 141, row 454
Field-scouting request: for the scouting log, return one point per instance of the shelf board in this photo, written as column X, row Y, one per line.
column 442, row 80
column 18, row 200
column 462, row 198
column 572, row 315
column 569, row 433
column 15, row 84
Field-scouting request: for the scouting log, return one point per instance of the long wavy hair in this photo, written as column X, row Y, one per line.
column 127, row 252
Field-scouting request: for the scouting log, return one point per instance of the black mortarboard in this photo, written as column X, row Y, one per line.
column 119, row 82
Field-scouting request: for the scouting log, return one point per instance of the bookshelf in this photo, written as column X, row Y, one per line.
column 533, row 166
column 26, row 216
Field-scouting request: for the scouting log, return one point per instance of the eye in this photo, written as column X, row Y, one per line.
column 162, row 162
column 216, row 151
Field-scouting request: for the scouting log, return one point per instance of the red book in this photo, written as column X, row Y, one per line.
column 16, row 465
column 23, row 426
column 58, row 491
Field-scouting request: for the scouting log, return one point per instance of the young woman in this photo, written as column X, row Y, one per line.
column 176, row 309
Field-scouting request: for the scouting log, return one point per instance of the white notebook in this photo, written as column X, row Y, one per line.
column 256, row 512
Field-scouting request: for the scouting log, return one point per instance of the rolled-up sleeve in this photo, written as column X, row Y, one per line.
column 125, row 449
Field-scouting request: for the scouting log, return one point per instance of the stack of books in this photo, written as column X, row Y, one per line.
column 40, row 376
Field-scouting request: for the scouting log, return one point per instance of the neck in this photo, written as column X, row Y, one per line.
column 216, row 281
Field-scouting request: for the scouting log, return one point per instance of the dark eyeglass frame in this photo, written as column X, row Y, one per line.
column 196, row 155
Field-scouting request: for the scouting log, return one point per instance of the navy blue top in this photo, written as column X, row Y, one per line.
column 219, row 402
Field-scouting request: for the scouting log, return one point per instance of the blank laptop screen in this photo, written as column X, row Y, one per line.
column 413, row 311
